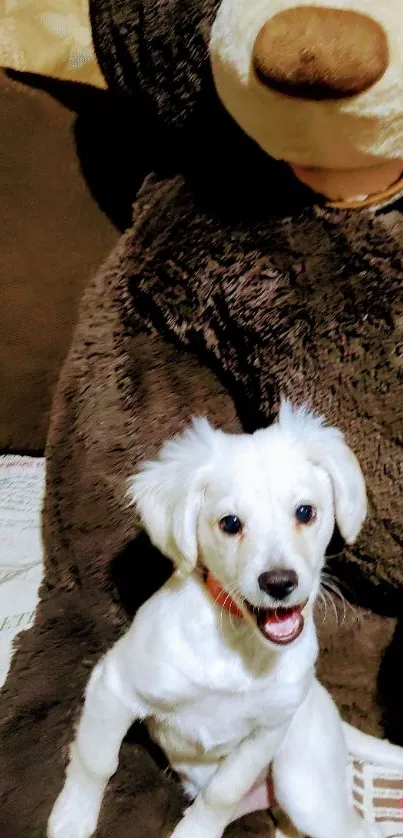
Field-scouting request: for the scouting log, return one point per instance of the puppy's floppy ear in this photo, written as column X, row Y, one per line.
column 327, row 448
column 168, row 493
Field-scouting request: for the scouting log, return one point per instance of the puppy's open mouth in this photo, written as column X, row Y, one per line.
column 280, row 625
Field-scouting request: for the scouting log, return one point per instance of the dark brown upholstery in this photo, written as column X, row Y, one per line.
column 62, row 204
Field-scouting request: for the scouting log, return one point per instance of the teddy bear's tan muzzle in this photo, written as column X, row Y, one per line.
column 316, row 53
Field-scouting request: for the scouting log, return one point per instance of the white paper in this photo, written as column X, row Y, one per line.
column 22, row 484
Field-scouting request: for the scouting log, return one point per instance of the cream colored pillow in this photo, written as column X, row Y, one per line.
column 51, row 37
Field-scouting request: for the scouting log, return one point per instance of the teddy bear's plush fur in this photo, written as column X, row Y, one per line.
column 232, row 288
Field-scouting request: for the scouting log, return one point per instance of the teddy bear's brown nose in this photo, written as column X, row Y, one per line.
column 315, row 53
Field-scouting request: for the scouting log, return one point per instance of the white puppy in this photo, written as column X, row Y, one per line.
column 228, row 691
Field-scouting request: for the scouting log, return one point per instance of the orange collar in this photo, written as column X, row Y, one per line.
column 220, row 596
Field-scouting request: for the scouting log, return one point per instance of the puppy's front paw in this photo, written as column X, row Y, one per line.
column 75, row 813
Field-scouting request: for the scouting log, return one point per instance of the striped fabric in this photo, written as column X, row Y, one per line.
column 376, row 793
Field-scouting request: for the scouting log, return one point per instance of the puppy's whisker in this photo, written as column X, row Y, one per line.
column 233, row 590
column 329, row 600
column 221, row 617
column 330, row 583
column 330, row 556
column 336, row 599
column 324, row 604
column 341, row 585
column 333, row 592
column 333, row 604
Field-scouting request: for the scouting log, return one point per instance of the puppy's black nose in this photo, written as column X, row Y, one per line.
column 278, row 583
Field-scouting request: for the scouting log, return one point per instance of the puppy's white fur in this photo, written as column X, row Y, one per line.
column 221, row 700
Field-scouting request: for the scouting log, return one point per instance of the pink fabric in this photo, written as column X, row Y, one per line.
column 259, row 797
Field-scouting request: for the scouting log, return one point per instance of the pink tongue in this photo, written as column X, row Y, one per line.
column 283, row 626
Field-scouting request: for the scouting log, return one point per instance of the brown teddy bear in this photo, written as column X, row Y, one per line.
column 236, row 284
column 316, row 84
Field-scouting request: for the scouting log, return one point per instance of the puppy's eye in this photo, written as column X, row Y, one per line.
column 231, row 525
column 305, row 513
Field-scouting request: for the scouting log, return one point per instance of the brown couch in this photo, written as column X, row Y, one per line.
column 63, row 204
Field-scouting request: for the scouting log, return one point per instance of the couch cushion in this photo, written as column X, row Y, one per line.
column 53, row 235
